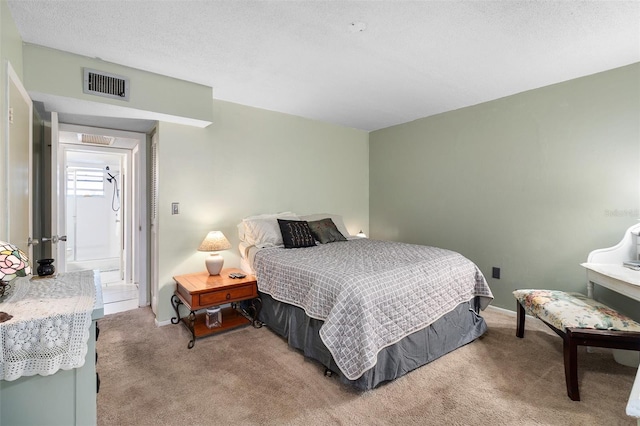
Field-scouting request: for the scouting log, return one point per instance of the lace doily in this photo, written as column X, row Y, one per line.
column 50, row 325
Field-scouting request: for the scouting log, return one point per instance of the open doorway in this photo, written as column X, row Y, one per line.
column 102, row 207
column 97, row 220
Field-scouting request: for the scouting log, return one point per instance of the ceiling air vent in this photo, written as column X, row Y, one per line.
column 95, row 139
column 102, row 83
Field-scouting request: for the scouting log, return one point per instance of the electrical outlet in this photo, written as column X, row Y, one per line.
column 495, row 273
column 175, row 208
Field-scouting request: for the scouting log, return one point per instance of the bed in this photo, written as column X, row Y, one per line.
column 370, row 311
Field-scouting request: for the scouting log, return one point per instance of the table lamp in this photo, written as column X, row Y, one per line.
column 13, row 263
column 214, row 241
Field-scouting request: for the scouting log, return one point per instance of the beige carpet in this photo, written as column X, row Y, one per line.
column 251, row 376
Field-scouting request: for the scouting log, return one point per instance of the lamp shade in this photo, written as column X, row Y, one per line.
column 214, row 241
column 13, row 262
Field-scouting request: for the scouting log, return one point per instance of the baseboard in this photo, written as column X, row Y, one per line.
column 509, row 312
column 502, row 310
column 162, row 323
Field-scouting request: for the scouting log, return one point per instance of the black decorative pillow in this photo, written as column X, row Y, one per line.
column 325, row 231
column 296, row 233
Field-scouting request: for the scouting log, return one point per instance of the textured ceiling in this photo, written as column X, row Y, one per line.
column 414, row 59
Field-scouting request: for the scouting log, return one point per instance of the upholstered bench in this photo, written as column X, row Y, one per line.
column 579, row 321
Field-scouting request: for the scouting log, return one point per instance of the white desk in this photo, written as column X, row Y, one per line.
column 627, row 282
column 614, row 277
column 604, row 267
column 633, row 406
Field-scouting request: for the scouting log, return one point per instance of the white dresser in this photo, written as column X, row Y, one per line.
column 67, row 397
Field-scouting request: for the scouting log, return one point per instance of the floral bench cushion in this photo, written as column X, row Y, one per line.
column 572, row 310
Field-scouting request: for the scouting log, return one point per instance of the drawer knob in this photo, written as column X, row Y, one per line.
column 228, row 296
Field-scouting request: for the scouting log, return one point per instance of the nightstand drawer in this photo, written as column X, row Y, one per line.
column 226, row 296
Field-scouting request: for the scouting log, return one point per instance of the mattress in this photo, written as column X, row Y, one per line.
column 368, row 294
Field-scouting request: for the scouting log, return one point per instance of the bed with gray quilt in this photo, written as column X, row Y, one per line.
column 371, row 311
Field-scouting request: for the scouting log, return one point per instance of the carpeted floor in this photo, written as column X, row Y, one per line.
column 251, row 376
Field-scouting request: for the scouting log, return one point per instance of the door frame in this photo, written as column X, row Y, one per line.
column 138, row 259
column 153, row 225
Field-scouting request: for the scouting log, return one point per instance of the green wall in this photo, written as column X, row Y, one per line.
column 10, row 51
column 11, row 44
column 58, row 73
column 251, row 161
column 530, row 183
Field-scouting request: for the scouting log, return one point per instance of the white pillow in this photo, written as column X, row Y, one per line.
column 240, row 226
column 336, row 218
column 270, row 215
column 263, row 230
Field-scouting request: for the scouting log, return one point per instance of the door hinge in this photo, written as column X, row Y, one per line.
column 10, row 115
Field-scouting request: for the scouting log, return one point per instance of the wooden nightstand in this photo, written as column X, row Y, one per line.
column 200, row 291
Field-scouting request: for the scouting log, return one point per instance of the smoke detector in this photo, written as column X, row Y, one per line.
column 357, row 27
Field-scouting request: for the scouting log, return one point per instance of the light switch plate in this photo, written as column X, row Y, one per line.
column 175, row 208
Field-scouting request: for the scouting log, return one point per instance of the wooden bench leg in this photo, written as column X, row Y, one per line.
column 520, row 321
column 570, row 349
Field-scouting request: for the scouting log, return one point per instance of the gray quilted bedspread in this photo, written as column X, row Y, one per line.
column 370, row 294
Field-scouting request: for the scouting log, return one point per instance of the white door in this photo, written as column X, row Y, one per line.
column 58, row 236
column 19, row 161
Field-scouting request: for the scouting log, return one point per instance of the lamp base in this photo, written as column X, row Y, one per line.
column 4, row 288
column 214, row 263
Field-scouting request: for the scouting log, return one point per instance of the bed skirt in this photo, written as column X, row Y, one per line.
column 455, row 329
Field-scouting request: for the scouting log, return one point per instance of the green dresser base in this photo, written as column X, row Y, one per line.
column 67, row 397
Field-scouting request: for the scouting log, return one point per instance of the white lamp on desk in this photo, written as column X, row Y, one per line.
column 214, row 241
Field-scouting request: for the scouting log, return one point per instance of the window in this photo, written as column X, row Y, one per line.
column 84, row 182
